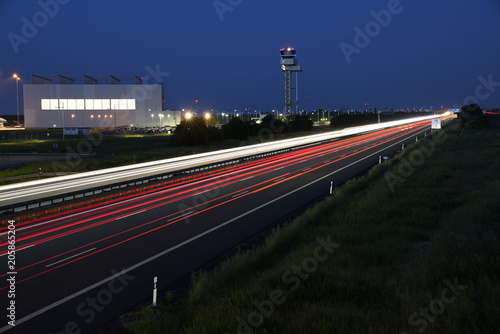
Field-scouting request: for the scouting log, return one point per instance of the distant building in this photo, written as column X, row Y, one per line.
column 91, row 102
column 2, row 122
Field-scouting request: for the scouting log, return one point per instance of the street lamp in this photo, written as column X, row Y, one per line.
column 161, row 120
column 114, row 116
column 61, row 107
column 189, row 115
column 15, row 76
column 72, row 118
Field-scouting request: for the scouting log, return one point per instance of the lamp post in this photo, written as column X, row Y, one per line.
column 114, row 115
column 15, row 76
column 61, row 107
column 161, row 120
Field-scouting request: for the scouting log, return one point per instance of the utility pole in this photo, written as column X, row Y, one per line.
column 15, row 76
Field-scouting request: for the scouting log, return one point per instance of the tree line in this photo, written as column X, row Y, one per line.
column 198, row 131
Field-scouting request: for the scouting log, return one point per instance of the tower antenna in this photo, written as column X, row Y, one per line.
column 289, row 65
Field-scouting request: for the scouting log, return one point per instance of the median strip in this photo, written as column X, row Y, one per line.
column 240, row 194
column 89, row 250
column 132, row 214
column 181, row 216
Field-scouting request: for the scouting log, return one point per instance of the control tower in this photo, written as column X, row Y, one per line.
column 289, row 65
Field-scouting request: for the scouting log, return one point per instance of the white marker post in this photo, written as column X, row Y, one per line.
column 379, row 159
column 155, row 290
column 331, row 187
column 403, row 146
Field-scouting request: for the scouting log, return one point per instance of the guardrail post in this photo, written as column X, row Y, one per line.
column 155, row 290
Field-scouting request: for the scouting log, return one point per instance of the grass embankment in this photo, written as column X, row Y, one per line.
column 414, row 248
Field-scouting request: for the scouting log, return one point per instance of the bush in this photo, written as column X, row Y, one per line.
column 236, row 129
column 300, row 123
column 472, row 117
column 190, row 132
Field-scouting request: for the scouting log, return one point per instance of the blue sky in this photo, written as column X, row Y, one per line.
column 424, row 53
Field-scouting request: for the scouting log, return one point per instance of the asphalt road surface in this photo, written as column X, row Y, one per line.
column 12, row 195
column 76, row 273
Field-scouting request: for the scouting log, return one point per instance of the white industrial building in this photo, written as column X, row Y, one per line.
column 92, row 102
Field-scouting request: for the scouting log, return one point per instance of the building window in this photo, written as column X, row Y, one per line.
column 88, row 104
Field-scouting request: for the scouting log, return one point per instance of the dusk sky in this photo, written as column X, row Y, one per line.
column 416, row 53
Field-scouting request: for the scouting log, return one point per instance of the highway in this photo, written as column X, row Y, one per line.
column 76, row 273
column 39, row 189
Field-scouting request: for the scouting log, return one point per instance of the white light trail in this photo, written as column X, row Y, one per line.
column 18, row 193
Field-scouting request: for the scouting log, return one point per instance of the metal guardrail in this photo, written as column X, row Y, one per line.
column 48, row 201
